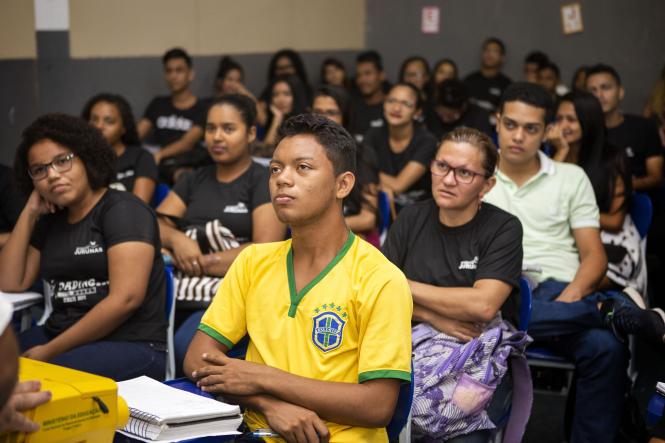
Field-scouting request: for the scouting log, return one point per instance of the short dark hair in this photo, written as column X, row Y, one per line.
column 537, row 57
column 552, row 67
column 603, row 69
column 479, row 140
column 496, row 41
column 531, row 94
column 226, row 65
column 73, row 133
column 243, row 104
column 177, row 53
column 131, row 135
column 413, row 58
column 339, row 145
column 370, row 56
column 452, row 93
column 341, row 98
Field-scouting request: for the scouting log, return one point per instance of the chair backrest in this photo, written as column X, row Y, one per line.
column 170, row 319
column 402, row 409
column 525, row 304
column 641, row 211
column 161, row 191
column 384, row 215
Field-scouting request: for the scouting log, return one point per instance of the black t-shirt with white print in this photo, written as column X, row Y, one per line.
column 135, row 162
column 170, row 123
column 421, row 149
column 487, row 247
column 638, row 137
column 74, row 264
column 484, row 91
column 231, row 203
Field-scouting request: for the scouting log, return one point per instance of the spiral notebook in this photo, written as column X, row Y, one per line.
column 160, row 412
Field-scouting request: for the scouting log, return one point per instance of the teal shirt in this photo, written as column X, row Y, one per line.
column 550, row 205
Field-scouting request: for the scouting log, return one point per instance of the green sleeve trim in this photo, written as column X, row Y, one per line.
column 216, row 335
column 385, row 373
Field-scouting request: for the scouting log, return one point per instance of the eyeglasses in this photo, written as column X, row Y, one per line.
column 61, row 163
column 462, row 175
column 406, row 104
column 326, row 112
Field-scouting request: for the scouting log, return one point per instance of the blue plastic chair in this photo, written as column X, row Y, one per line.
column 525, row 304
column 161, row 191
column 641, row 211
column 385, row 217
column 402, row 416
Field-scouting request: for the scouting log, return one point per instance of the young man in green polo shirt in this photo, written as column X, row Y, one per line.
column 557, row 208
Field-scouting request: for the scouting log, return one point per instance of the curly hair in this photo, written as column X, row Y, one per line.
column 131, row 135
column 73, row 133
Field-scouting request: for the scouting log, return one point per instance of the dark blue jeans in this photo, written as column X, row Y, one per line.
column 119, row 360
column 576, row 331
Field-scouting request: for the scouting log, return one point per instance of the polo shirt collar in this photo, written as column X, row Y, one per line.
column 547, row 167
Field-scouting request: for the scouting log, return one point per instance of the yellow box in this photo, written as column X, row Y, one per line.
column 83, row 407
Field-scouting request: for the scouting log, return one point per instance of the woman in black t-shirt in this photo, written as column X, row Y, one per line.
column 136, row 170
column 360, row 207
column 403, row 148
column 216, row 211
column 84, row 240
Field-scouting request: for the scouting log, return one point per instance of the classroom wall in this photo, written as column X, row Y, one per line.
column 57, row 70
column 625, row 34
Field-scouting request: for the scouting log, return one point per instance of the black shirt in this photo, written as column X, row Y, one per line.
column 487, row 247
column 169, row 123
column 135, row 162
column 474, row 117
column 638, row 136
column 75, row 265
column 421, row 149
column 10, row 202
column 486, row 91
column 231, row 203
column 365, row 117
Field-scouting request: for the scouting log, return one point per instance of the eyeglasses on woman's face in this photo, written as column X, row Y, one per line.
column 60, row 163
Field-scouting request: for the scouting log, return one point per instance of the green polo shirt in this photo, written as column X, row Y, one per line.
column 550, row 205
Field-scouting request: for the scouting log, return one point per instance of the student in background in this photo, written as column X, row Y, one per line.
column 636, row 135
column 360, row 207
column 403, row 148
column 444, row 69
column 415, row 70
column 533, row 61
column 578, row 82
column 288, row 97
column 333, row 73
column 286, row 62
column 84, row 240
column 487, row 84
column 452, row 108
column 549, row 78
column 136, row 171
column 368, row 105
column 230, row 79
column 216, row 211
column 341, row 340
column 175, row 122
column 579, row 137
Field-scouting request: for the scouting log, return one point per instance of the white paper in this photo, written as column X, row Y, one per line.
column 52, row 15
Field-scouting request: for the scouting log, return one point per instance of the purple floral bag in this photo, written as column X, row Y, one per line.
column 455, row 381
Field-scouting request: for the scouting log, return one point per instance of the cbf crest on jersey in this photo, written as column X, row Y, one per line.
column 328, row 327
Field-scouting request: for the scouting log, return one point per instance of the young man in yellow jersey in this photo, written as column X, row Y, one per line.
column 328, row 316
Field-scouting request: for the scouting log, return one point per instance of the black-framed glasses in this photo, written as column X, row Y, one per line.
column 462, row 175
column 60, row 163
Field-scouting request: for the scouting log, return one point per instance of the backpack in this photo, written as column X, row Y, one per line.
column 455, row 381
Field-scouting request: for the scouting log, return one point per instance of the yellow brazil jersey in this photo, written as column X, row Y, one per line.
column 352, row 323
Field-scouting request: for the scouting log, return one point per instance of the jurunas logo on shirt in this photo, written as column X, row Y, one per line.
column 469, row 264
column 91, row 248
column 328, row 326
